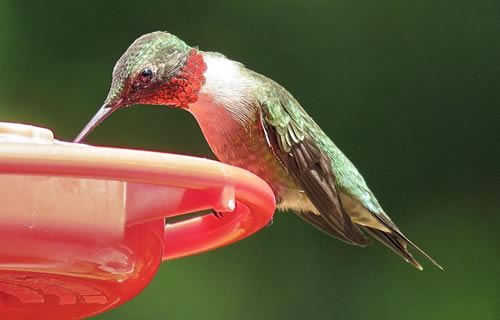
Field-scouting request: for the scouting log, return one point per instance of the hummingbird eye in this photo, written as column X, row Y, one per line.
column 146, row 75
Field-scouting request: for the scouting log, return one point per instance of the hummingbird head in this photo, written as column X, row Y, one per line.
column 159, row 69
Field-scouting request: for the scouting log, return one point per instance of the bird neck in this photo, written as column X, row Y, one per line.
column 227, row 89
column 226, row 108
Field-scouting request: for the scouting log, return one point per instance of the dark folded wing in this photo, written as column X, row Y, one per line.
column 284, row 123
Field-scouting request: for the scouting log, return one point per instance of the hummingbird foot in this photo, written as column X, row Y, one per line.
column 270, row 223
column 217, row 214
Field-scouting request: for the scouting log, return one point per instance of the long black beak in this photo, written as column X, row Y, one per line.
column 99, row 117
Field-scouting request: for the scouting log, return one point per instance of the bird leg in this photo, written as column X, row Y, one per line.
column 217, row 214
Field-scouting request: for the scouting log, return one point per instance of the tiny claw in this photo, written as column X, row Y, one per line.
column 217, row 214
column 270, row 223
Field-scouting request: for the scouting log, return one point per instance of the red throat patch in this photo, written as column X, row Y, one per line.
column 184, row 87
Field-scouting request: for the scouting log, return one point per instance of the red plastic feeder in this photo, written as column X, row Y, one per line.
column 82, row 228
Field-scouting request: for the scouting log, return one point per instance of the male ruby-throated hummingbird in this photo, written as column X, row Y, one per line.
column 252, row 122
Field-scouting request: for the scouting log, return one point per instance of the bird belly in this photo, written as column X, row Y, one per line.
column 296, row 200
column 244, row 145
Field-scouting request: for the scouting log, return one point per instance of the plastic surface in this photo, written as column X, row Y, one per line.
column 82, row 228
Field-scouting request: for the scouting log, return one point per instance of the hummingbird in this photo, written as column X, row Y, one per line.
column 252, row 122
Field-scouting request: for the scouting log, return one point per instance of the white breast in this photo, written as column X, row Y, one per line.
column 223, row 107
column 228, row 86
column 223, row 75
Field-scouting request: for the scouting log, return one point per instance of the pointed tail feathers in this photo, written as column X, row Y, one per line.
column 397, row 242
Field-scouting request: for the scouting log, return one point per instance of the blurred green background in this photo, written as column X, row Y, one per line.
column 410, row 91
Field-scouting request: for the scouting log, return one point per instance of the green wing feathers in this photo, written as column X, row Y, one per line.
column 284, row 123
column 324, row 172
